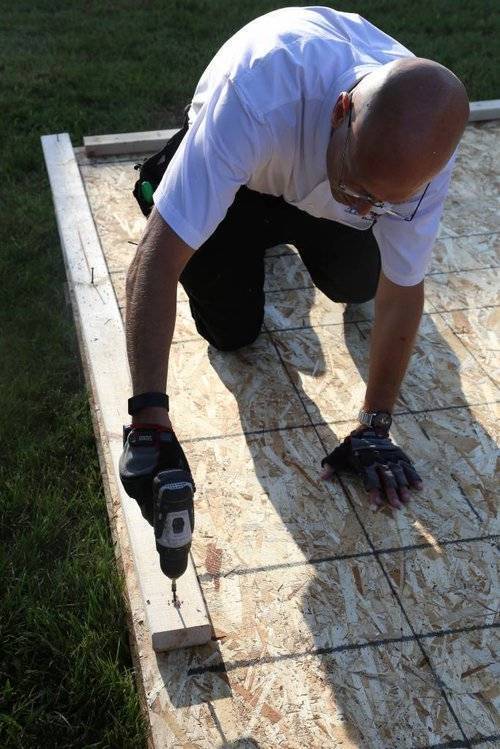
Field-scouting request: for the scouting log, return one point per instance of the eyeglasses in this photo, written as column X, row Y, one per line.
column 405, row 211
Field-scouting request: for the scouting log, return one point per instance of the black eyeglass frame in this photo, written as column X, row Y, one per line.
column 381, row 206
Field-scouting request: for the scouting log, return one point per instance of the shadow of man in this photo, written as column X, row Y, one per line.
column 351, row 606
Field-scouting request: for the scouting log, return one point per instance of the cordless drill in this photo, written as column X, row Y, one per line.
column 155, row 472
column 173, row 492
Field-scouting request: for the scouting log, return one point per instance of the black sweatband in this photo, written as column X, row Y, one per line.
column 147, row 400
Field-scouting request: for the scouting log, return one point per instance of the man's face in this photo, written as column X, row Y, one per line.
column 336, row 166
column 360, row 182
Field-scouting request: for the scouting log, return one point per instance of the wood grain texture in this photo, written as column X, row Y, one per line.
column 294, row 568
column 262, row 503
column 104, row 355
column 123, row 143
column 473, row 202
column 442, row 372
column 224, row 393
column 465, row 253
column 467, row 289
column 479, row 331
column 468, row 666
column 109, row 192
column 329, row 366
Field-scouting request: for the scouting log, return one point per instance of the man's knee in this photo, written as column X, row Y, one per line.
column 224, row 344
column 351, row 291
column 229, row 337
column 360, row 295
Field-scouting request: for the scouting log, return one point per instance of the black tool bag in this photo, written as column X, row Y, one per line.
column 152, row 170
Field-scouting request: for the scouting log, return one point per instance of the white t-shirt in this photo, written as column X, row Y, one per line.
column 260, row 117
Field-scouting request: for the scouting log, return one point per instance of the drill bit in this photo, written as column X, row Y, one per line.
column 175, row 600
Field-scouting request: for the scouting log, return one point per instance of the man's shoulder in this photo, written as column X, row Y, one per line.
column 296, row 53
column 292, row 56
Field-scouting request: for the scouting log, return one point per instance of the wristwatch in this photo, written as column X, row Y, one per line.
column 376, row 419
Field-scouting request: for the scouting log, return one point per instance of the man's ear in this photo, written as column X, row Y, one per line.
column 341, row 109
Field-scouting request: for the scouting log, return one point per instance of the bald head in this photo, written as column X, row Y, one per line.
column 407, row 119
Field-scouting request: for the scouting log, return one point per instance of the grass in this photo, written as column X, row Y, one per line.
column 66, row 676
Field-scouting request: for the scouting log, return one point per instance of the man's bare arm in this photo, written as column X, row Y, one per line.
column 151, row 292
column 398, row 310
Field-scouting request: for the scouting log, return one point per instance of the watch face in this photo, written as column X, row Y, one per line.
column 382, row 421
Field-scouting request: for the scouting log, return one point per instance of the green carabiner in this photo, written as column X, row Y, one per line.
column 147, row 192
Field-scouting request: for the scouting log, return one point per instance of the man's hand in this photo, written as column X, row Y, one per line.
column 147, row 450
column 384, row 468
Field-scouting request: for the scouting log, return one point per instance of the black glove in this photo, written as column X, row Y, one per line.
column 146, row 452
column 382, row 465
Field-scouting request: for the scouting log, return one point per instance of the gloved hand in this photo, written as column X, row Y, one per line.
column 147, row 450
column 383, row 467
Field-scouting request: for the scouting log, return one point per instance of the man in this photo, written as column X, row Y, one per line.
column 313, row 127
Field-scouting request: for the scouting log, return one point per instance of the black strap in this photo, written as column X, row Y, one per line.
column 152, row 170
column 147, row 400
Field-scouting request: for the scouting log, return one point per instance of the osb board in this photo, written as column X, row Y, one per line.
column 478, row 329
column 336, row 626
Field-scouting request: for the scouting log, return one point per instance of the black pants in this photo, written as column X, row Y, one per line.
column 225, row 277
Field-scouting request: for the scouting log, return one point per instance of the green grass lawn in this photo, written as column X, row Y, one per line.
column 66, row 676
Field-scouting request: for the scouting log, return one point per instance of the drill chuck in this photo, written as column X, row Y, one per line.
column 173, row 520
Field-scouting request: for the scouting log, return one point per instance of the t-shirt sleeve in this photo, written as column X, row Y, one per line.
column 220, row 151
column 406, row 246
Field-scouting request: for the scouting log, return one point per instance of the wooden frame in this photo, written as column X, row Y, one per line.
column 103, row 350
column 153, row 140
column 279, row 669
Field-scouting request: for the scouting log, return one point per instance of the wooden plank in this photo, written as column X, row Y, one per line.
column 83, row 159
column 484, row 110
column 104, row 355
column 152, row 140
column 119, row 143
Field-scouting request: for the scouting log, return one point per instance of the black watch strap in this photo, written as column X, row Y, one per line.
column 147, row 400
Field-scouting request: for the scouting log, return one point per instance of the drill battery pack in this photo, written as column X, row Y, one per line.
column 173, row 493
